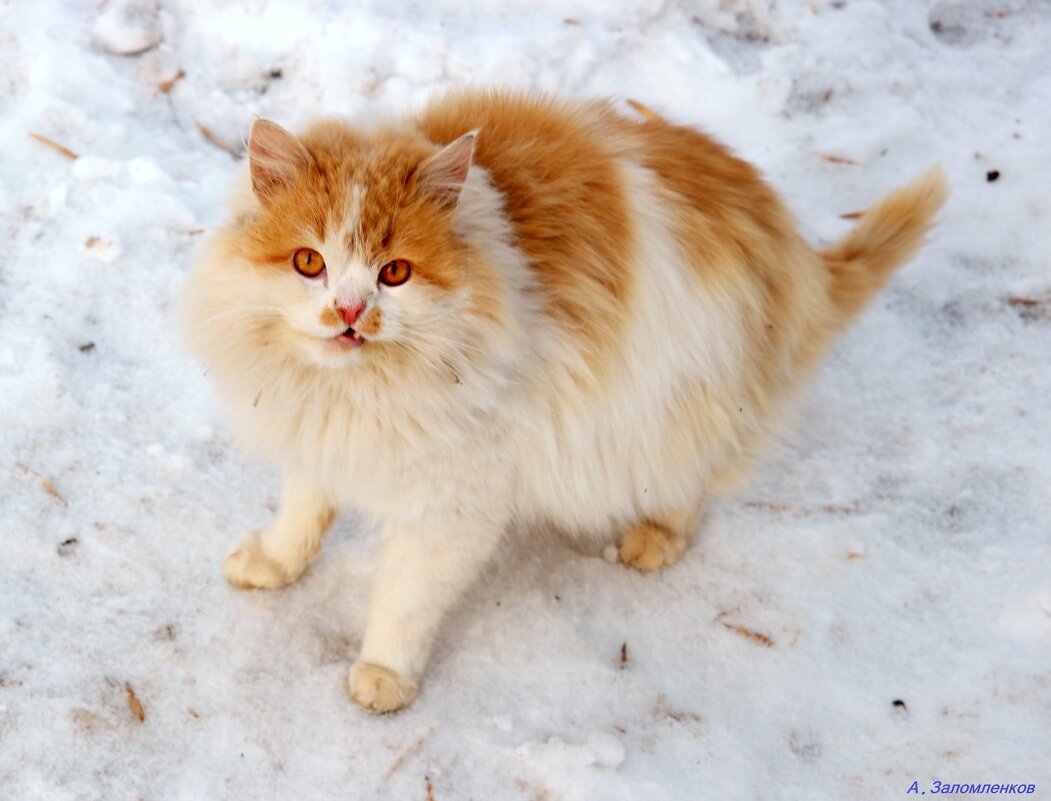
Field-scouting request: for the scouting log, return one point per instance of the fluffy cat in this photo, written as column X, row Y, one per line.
column 509, row 310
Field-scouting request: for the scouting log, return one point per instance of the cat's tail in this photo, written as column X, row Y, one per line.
column 886, row 236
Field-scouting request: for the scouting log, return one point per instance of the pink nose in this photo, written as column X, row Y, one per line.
column 350, row 313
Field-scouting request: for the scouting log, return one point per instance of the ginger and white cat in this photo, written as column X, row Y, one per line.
column 504, row 311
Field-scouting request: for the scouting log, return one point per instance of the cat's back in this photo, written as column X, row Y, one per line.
column 560, row 163
column 588, row 191
column 550, row 158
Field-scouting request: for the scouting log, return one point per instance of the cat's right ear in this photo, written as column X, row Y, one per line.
column 275, row 158
column 444, row 173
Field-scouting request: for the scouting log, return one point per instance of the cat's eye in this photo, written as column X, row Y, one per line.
column 395, row 273
column 308, row 262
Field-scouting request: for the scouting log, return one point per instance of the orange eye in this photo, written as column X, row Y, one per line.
column 395, row 273
column 308, row 262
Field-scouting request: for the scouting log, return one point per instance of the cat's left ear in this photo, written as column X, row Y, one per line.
column 275, row 157
column 443, row 173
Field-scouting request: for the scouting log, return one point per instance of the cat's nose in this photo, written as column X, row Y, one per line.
column 351, row 312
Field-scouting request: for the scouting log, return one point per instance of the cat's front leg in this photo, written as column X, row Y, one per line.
column 288, row 545
column 423, row 570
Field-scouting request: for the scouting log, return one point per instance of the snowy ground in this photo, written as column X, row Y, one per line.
column 897, row 549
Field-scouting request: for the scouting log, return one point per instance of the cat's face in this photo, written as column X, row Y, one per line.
column 350, row 249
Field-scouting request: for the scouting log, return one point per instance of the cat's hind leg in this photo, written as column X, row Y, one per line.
column 659, row 540
column 287, row 546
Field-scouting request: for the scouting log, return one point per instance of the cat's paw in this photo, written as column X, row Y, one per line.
column 648, row 547
column 379, row 689
column 247, row 567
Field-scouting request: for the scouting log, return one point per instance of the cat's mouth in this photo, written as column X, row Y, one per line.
column 348, row 339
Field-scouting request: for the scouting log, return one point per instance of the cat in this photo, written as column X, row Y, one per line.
column 508, row 310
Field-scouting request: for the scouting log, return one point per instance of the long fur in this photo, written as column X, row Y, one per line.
column 606, row 320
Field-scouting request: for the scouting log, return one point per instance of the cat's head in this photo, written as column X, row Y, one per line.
column 347, row 252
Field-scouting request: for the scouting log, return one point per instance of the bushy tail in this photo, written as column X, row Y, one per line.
column 887, row 236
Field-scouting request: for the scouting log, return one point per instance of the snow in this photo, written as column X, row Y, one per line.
column 896, row 548
column 128, row 28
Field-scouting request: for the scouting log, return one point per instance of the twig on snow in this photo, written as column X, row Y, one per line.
column 51, row 143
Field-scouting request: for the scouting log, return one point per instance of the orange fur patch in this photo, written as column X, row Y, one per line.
column 329, row 317
column 371, row 324
column 554, row 164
